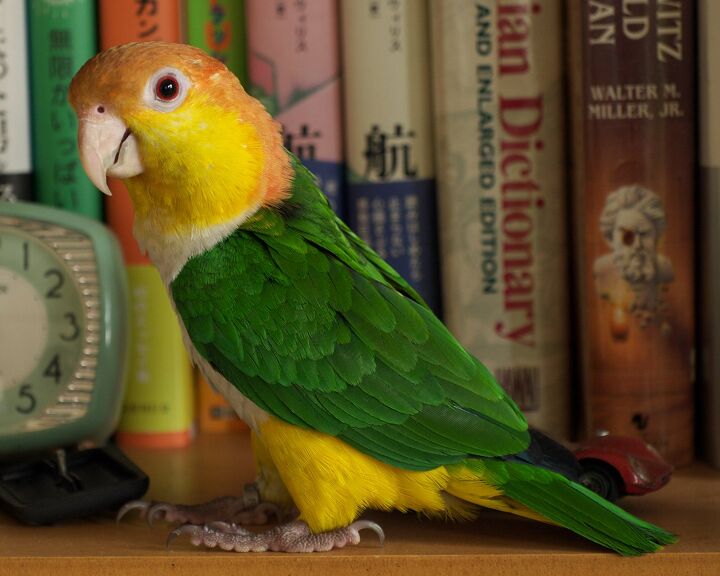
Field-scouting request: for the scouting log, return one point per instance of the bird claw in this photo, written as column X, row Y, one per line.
column 191, row 529
column 141, row 505
column 148, row 510
column 368, row 525
column 160, row 507
column 227, row 509
column 291, row 537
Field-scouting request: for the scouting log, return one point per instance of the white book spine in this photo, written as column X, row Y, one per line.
column 15, row 152
column 388, row 135
column 499, row 124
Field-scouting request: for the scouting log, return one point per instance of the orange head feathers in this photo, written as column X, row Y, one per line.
column 194, row 149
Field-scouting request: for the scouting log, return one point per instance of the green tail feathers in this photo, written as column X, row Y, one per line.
column 573, row 506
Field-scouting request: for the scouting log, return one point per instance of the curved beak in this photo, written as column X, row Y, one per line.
column 107, row 148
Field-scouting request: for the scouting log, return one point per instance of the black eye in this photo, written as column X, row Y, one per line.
column 628, row 236
column 167, row 88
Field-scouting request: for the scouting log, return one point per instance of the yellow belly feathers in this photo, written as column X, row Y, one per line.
column 331, row 482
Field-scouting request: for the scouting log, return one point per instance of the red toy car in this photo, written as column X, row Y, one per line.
column 615, row 466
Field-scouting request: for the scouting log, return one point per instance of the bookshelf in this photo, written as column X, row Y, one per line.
column 497, row 544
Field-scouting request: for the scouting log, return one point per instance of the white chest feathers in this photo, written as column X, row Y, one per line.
column 169, row 254
column 247, row 410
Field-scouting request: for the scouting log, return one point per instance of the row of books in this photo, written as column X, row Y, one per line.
column 565, row 139
column 534, row 159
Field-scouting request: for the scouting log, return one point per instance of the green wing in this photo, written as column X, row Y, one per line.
column 314, row 327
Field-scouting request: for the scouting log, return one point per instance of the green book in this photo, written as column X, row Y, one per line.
column 218, row 27
column 62, row 37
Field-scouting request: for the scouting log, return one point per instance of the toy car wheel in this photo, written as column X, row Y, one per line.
column 601, row 479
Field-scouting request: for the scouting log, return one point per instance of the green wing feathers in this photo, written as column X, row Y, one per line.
column 311, row 325
column 572, row 506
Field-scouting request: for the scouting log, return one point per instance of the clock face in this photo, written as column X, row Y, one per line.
column 42, row 330
column 63, row 329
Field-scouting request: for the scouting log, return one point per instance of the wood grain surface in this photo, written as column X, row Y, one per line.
column 495, row 544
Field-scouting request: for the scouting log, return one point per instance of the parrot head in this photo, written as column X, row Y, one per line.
column 193, row 148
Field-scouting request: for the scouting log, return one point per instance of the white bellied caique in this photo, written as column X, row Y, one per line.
column 358, row 397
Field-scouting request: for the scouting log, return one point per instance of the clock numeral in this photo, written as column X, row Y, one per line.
column 26, row 255
column 53, row 369
column 74, row 326
column 28, row 402
column 54, row 291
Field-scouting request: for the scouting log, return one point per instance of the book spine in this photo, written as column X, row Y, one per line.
column 634, row 154
column 62, row 38
column 15, row 154
column 215, row 414
column 158, row 408
column 122, row 21
column 218, row 27
column 498, row 109
column 709, row 237
column 388, row 136
column 294, row 68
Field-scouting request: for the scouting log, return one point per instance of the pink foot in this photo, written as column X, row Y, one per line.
column 291, row 537
column 247, row 510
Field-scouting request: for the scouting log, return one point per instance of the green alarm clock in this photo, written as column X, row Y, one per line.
column 63, row 329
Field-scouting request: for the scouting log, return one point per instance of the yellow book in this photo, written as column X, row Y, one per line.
column 158, row 407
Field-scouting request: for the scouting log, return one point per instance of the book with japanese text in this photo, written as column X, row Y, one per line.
column 294, row 69
column 218, row 27
column 158, row 409
column 62, row 37
column 388, row 135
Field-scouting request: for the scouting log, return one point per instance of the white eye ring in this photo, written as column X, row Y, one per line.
column 167, row 102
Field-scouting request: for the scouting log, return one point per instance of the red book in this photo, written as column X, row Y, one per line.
column 123, row 21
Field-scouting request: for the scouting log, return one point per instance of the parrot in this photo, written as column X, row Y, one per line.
column 356, row 394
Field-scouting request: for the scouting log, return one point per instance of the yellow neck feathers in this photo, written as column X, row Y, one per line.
column 206, row 167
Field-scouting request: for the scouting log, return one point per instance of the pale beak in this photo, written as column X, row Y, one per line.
column 107, row 148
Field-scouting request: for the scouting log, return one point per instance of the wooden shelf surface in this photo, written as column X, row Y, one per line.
column 495, row 544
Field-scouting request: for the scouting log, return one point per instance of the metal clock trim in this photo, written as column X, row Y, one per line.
column 75, row 249
column 89, row 409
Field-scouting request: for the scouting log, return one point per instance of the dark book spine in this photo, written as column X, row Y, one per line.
column 709, row 237
column 634, row 154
